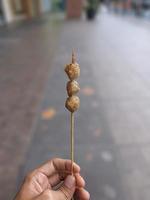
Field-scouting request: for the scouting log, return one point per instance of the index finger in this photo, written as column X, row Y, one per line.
column 58, row 165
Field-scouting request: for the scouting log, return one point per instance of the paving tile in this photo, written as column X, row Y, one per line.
column 24, row 63
column 100, row 174
column 112, row 125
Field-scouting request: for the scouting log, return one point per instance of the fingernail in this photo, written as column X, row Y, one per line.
column 70, row 182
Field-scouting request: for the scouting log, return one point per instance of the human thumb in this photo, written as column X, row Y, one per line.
column 67, row 189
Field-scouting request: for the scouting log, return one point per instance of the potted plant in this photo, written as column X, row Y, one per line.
column 91, row 9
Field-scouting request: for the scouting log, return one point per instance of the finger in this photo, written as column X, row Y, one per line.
column 66, row 191
column 79, row 181
column 56, row 179
column 82, row 194
column 58, row 165
column 62, row 165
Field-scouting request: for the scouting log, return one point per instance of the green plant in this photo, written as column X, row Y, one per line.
column 92, row 5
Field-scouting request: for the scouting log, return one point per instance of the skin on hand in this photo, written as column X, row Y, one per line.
column 41, row 183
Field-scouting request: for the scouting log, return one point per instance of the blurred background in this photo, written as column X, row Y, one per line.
column 111, row 39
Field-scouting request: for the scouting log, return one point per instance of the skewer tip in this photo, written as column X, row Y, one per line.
column 73, row 57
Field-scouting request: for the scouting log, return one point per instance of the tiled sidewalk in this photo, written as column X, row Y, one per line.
column 112, row 125
column 25, row 58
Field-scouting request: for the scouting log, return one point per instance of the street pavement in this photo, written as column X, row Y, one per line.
column 112, row 140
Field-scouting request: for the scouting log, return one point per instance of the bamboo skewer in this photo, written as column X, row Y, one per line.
column 73, row 101
column 72, row 141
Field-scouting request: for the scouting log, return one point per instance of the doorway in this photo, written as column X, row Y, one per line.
column 2, row 19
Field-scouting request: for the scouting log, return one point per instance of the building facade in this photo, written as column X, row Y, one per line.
column 13, row 10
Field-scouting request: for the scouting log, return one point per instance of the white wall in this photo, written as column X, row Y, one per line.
column 45, row 5
column 8, row 13
column 10, row 16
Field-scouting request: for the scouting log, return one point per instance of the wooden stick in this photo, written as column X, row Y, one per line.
column 72, row 141
column 73, row 101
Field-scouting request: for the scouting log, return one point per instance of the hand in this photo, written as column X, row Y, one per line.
column 40, row 183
